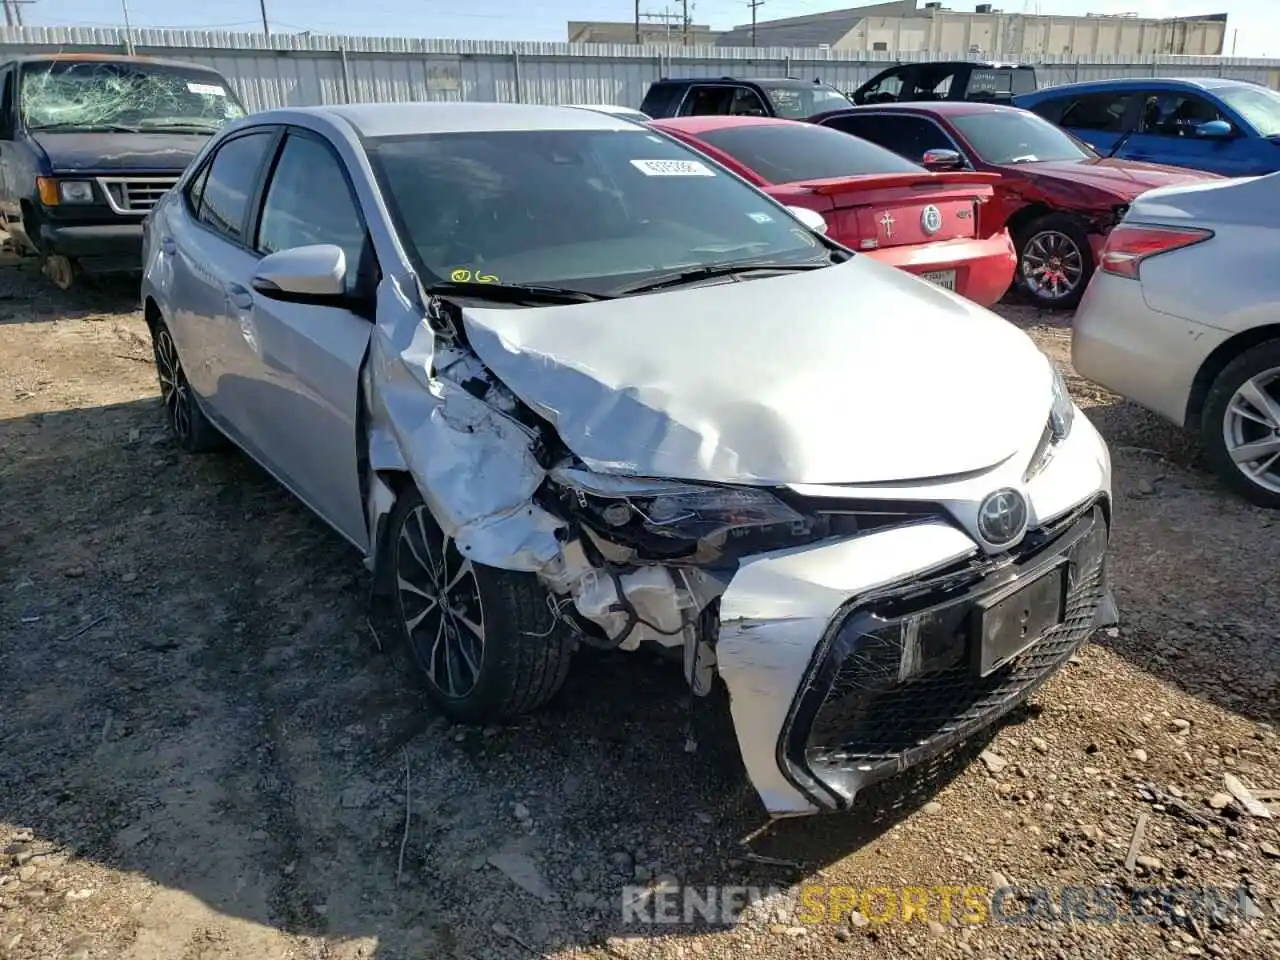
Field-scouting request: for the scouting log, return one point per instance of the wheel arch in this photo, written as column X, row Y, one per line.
column 151, row 314
column 1217, row 361
column 1028, row 215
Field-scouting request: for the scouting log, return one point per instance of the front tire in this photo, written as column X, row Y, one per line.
column 1240, row 425
column 187, row 422
column 486, row 640
column 1055, row 261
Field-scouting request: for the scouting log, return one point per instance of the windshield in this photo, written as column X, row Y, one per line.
column 589, row 209
column 1259, row 106
column 792, row 152
column 114, row 95
column 1017, row 136
column 799, row 103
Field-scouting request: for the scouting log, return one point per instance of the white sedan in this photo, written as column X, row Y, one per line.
column 563, row 381
column 1183, row 317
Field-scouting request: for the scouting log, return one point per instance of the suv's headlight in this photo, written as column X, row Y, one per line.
column 75, row 191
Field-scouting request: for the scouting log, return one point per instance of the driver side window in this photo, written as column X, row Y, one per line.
column 886, row 90
column 309, row 201
column 747, row 103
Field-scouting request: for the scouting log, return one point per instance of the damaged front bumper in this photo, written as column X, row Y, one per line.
column 845, row 666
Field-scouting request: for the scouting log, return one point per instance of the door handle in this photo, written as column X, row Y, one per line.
column 240, row 296
column 168, row 246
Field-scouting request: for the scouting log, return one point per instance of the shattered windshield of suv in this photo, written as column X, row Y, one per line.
column 124, row 96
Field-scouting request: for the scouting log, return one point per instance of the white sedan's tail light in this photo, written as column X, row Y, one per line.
column 1131, row 243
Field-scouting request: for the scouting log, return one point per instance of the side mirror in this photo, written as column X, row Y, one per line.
column 1215, row 130
column 810, row 218
column 312, row 274
column 941, row 160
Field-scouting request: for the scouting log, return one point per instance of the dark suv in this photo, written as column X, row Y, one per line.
column 784, row 97
column 89, row 143
column 947, row 80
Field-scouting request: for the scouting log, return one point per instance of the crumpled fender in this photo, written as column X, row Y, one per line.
column 472, row 463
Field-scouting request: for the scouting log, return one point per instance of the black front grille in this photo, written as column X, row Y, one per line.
column 865, row 717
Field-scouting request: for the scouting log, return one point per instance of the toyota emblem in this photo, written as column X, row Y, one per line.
column 931, row 219
column 1002, row 517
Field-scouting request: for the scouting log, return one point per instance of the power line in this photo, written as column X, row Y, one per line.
column 754, row 4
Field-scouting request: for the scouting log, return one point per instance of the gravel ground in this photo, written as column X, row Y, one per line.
column 204, row 752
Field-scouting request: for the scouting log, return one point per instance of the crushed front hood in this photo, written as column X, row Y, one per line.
column 857, row 373
column 1126, row 179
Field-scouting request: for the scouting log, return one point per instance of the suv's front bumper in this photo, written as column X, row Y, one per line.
column 98, row 248
column 833, row 689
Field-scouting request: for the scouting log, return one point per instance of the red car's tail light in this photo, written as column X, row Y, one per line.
column 1131, row 243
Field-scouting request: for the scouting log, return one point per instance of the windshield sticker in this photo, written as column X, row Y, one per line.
column 760, row 217
column 206, row 89
column 466, row 276
column 673, row 168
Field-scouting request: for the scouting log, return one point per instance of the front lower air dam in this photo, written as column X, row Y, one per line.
column 851, row 661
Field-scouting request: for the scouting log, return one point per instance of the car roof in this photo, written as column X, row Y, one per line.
column 976, row 64
column 761, row 81
column 107, row 58
column 941, row 108
column 716, row 121
column 1148, row 83
column 406, row 119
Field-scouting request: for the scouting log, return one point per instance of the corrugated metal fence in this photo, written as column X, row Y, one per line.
column 299, row 70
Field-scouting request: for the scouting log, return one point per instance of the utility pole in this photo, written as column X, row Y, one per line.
column 754, row 4
column 128, row 29
column 637, row 22
column 266, row 28
column 684, row 21
column 666, row 17
column 13, row 11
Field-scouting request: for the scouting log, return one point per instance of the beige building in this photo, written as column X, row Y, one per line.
column 984, row 30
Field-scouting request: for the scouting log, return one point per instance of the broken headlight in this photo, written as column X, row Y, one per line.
column 668, row 514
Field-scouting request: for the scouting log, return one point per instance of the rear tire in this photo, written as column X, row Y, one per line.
column 1055, row 261
column 1232, row 428
column 485, row 639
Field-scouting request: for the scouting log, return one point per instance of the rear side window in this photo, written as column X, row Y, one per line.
column 1098, row 111
column 662, row 99
column 909, row 137
column 703, row 101
column 224, row 199
column 789, row 153
column 1024, row 81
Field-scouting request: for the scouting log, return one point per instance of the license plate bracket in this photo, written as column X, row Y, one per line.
column 1007, row 623
column 941, row 278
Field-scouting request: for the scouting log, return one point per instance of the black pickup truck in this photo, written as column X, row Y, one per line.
column 89, row 143
column 982, row 81
column 786, row 97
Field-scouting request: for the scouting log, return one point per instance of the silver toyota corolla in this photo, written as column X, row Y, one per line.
column 564, row 381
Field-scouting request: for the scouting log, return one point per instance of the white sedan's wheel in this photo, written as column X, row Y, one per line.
column 443, row 614
column 1241, row 424
column 486, row 640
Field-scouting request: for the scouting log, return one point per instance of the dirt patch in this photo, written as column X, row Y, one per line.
column 204, row 753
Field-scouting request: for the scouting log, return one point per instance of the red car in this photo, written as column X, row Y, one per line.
column 1056, row 196
column 872, row 200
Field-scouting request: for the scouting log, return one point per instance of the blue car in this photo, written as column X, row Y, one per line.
column 1228, row 127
